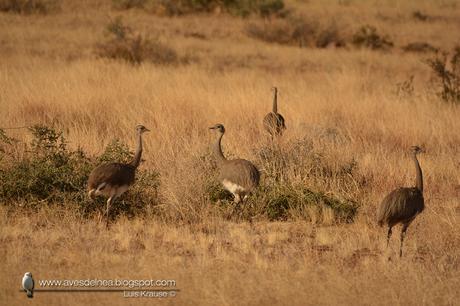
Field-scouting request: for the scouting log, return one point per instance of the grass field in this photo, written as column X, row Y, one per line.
column 344, row 106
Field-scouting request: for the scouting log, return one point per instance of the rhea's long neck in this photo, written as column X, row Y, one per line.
column 218, row 150
column 137, row 157
column 418, row 176
column 275, row 101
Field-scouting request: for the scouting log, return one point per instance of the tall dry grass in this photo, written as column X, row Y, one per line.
column 342, row 103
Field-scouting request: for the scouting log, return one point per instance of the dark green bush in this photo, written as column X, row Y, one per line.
column 283, row 201
column 368, row 37
column 122, row 43
column 447, row 79
column 288, row 199
column 51, row 174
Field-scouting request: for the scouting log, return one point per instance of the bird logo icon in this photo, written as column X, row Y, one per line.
column 28, row 284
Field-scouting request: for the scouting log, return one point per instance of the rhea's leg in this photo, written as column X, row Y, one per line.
column 109, row 203
column 91, row 194
column 403, row 235
column 237, row 202
column 389, row 236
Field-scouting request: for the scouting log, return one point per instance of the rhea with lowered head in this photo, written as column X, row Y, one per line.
column 402, row 205
column 273, row 121
column 239, row 176
column 113, row 179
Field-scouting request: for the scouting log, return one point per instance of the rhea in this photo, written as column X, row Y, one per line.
column 113, row 179
column 239, row 176
column 273, row 121
column 402, row 205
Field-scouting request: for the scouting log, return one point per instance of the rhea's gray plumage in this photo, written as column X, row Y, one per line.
column 402, row 205
column 274, row 122
column 113, row 179
column 239, row 176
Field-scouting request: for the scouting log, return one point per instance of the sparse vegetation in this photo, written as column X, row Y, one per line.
column 368, row 37
column 420, row 16
column 447, row 78
column 241, row 8
column 297, row 32
column 129, row 4
column 421, row 47
column 405, row 89
column 122, row 43
column 27, row 7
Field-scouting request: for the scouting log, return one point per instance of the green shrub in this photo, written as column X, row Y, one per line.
column 284, row 201
column 122, row 43
column 367, row 37
column 27, row 7
column 51, row 174
column 279, row 199
column 447, row 79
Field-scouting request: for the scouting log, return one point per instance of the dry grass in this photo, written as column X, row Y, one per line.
column 341, row 102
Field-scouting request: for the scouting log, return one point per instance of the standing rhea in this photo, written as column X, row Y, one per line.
column 112, row 180
column 274, row 122
column 402, row 205
column 239, row 176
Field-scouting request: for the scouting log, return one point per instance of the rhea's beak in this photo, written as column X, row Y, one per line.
column 147, row 130
column 212, row 128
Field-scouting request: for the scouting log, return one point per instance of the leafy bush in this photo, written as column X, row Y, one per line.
column 448, row 79
column 27, row 7
column 278, row 198
column 282, row 202
column 123, row 44
column 296, row 32
column 52, row 174
column 367, row 37
column 286, row 200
